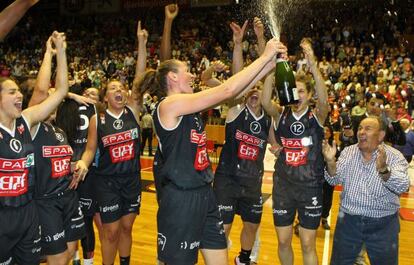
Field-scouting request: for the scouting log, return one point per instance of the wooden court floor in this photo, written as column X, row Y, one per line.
column 145, row 235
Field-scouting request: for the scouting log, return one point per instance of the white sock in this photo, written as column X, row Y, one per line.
column 88, row 261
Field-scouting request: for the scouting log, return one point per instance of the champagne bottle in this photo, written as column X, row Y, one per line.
column 285, row 83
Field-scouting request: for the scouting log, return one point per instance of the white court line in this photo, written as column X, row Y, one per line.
column 325, row 256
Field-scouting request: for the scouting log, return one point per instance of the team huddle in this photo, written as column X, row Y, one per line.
column 68, row 160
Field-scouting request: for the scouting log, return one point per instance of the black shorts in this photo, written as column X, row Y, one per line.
column 87, row 197
column 234, row 199
column 19, row 235
column 61, row 221
column 288, row 198
column 117, row 196
column 188, row 220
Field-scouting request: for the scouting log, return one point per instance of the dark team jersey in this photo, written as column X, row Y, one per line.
column 245, row 146
column 53, row 155
column 16, row 165
column 118, row 143
column 79, row 144
column 184, row 153
column 300, row 161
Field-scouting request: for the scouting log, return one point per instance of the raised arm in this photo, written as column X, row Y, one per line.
column 12, row 14
column 142, row 36
column 41, row 111
column 41, row 88
column 238, row 33
column 259, row 31
column 171, row 11
column 207, row 75
column 269, row 106
column 320, row 87
column 177, row 105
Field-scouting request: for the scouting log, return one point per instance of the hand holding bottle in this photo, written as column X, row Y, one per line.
column 273, row 48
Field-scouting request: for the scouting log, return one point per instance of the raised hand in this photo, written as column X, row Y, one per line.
column 258, row 27
column 59, row 39
column 142, row 34
column 171, row 11
column 49, row 48
column 306, row 45
column 274, row 47
column 329, row 151
column 238, row 32
column 219, row 66
column 381, row 161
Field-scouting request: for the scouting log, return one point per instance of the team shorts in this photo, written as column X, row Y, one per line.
column 188, row 220
column 288, row 198
column 19, row 235
column 61, row 222
column 87, row 197
column 234, row 199
column 117, row 196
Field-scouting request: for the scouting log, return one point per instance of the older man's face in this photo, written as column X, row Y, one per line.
column 369, row 135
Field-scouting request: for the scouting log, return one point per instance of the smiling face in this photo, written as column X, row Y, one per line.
column 370, row 134
column 10, row 100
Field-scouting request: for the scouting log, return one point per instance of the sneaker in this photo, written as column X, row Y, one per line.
column 237, row 261
column 325, row 224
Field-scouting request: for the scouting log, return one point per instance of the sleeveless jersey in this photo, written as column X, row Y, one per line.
column 79, row 144
column 16, row 165
column 245, row 146
column 53, row 155
column 300, row 161
column 118, row 144
column 184, row 153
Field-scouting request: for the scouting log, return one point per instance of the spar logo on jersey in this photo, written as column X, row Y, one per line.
column 291, row 142
column 249, row 139
column 13, row 176
column 16, row 164
column 201, row 161
column 57, row 151
column 121, row 137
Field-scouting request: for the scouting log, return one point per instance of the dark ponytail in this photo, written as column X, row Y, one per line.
column 68, row 119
